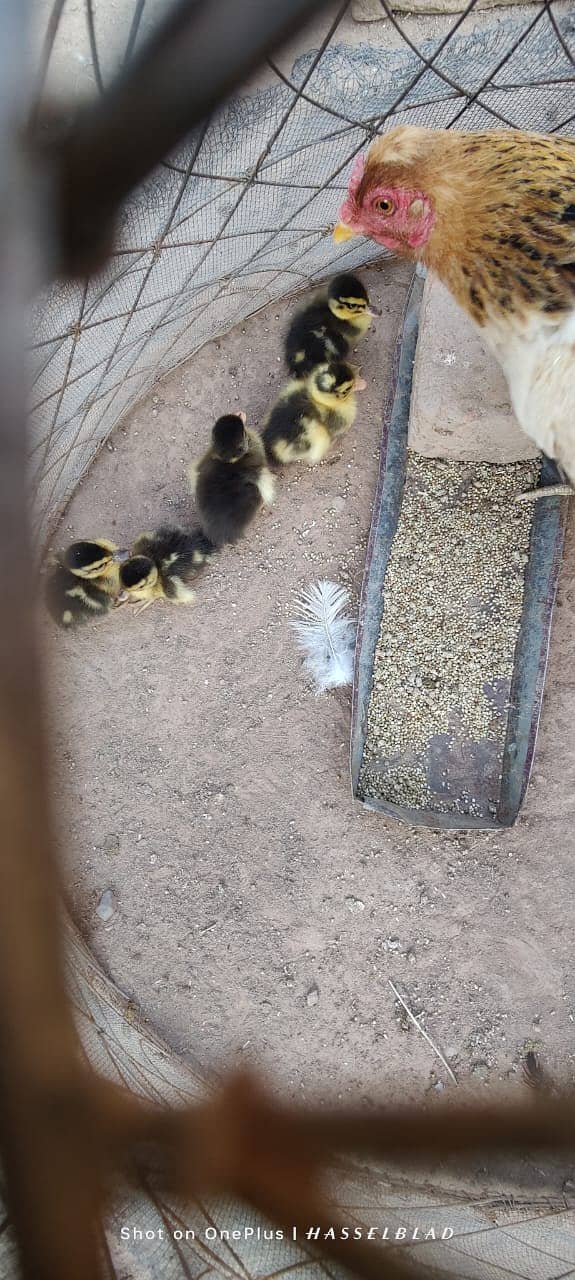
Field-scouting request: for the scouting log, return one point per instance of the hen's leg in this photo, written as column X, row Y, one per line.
column 546, row 491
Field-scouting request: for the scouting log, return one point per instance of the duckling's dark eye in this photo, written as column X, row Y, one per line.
column 384, row 206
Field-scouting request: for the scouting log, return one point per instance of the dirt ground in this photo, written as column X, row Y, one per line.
column 258, row 912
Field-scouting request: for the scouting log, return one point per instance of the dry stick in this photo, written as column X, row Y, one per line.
column 422, row 1031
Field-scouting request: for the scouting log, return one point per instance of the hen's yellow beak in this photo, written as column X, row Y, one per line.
column 342, row 232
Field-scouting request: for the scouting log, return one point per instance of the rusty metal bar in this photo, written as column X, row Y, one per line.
column 52, row 1188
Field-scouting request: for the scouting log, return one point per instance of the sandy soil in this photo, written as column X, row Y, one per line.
column 258, row 912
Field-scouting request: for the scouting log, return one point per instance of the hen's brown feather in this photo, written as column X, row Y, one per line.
column 504, row 236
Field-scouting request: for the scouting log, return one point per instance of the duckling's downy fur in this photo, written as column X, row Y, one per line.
column 83, row 582
column 232, row 481
column 71, row 601
column 329, row 326
column 162, row 564
column 311, row 413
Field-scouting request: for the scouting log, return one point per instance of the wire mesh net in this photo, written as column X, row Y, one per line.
column 240, row 217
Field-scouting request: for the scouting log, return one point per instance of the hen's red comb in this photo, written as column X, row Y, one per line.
column 356, row 174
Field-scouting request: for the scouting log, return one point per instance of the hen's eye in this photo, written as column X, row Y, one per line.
column 384, row 206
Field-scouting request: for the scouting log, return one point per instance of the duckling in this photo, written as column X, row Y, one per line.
column 70, row 602
column 310, row 413
column 329, row 326
column 96, row 560
column 161, row 566
column 232, row 481
column 83, row 582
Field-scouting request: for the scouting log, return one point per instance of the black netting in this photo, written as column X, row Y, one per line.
column 241, row 215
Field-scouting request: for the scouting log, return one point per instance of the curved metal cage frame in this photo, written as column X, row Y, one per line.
column 233, row 218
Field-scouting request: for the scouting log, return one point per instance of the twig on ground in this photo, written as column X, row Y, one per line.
column 417, row 1024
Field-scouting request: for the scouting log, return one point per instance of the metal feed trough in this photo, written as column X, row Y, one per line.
column 456, row 765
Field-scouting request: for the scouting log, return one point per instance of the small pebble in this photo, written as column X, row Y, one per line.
column 312, row 996
column 354, row 904
column 106, row 907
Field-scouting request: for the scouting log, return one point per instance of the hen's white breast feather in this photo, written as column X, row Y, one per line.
column 538, row 359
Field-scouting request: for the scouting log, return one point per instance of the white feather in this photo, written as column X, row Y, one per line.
column 325, row 634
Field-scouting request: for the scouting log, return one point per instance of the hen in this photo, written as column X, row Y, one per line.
column 493, row 215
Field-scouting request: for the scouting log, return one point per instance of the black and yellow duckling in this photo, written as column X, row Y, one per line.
column 83, row 582
column 162, row 565
column 329, row 326
column 310, row 413
column 232, row 481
